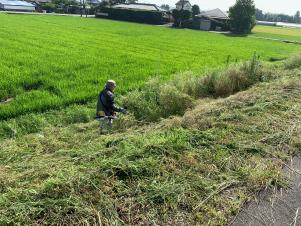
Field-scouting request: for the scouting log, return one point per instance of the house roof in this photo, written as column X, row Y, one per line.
column 41, row 1
column 181, row 2
column 214, row 14
column 16, row 3
column 136, row 6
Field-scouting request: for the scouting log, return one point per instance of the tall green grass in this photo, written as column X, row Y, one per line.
column 52, row 62
column 157, row 100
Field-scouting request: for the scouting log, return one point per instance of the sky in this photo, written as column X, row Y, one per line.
column 273, row 6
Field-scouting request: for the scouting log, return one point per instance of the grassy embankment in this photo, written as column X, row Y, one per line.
column 51, row 62
column 198, row 168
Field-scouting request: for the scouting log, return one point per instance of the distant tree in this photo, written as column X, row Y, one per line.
column 165, row 6
column 132, row 1
column 242, row 16
column 297, row 18
column 113, row 2
column 49, row 7
column 180, row 16
column 103, row 4
column 259, row 14
column 195, row 10
column 273, row 17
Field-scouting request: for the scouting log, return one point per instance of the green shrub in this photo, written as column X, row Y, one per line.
column 293, row 62
column 181, row 17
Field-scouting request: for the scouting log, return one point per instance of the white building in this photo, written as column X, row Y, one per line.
column 215, row 19
column 183, row 5
column 14, row 5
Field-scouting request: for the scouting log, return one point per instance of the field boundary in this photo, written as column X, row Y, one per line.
column 276, row 39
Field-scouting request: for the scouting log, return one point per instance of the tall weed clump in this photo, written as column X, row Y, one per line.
column 158, row 100
column 145, row 103
column 172, row 101
column 235, row 78
column 293, row 62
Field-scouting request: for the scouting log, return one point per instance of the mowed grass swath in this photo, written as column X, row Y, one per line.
column 51, row 62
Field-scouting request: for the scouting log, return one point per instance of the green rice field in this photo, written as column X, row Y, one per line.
column 284, row 33
column 51, row 62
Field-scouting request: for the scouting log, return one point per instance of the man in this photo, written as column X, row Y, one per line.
column 106, row 108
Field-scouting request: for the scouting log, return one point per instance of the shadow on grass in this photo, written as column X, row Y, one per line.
column 235, row 35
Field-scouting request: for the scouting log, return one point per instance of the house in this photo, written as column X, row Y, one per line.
column 139, row 6
column 15, row 5
column 215, row 19
column 183, row 5
column 42, row 1
column 135, row 12
column 93, row 2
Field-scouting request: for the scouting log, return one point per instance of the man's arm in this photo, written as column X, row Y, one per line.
column 111, row 103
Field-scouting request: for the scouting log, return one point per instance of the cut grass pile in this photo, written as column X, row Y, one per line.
column 195, row 169
column 51, row 62
column 284, row 33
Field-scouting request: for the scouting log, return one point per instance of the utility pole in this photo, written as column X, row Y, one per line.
column 81, row 8
column 84, row 5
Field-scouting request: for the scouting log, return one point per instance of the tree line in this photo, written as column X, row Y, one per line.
column 274, row 17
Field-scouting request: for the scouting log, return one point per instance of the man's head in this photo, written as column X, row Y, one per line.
column 111, row 85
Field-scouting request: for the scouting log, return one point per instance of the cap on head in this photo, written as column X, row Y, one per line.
column 111, row 84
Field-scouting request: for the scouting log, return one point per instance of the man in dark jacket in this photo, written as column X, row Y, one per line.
column 106, row 108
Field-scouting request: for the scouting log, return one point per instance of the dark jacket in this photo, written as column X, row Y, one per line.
column 106, row 103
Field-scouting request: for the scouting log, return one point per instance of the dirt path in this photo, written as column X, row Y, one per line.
column 279, row 207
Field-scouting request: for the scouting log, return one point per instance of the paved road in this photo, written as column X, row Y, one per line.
column 276, row 208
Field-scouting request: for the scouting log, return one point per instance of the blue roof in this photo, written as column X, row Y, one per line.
column 16, row 3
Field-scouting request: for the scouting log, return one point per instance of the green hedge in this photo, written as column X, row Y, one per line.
column 148, row 17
